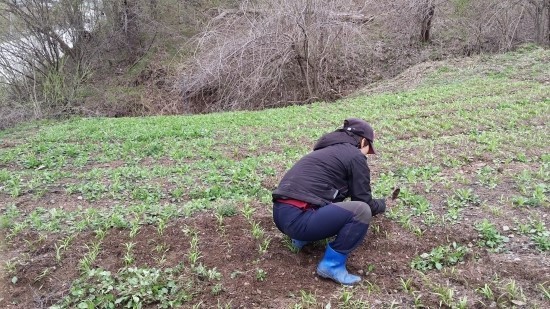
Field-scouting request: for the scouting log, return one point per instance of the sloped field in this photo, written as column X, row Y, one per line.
column 176, row 211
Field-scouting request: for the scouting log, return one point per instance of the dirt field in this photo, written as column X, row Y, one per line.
column 176, row 211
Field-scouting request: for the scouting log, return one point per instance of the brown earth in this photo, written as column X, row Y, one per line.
column 382, row 259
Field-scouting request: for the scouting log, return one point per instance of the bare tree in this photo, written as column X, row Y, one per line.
column 277, row 53
column 427, row 13
column 540, row 12
column 43, row 45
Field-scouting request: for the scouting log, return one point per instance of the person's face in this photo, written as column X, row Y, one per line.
column 365, row 146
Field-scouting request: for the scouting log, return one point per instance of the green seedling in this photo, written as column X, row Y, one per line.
column 545, row 289
column 287, row 242
column 417, row 231
column 100, row 234
column 514, row 291
column 489, row 235
column 10, row 266
column 194, row 255
column 86, row 262
column 217, row 289
column 58, row 252
column 453, row 214
column 177, row 194
column 43, row 274
column 219, row 218
column 462, row 303
column 371, row 287
column 417, row 203
column 133, row 287
column 129, row 255
column 134, row 228
column 346, row 296
column 161, row 226
column 488, row 177
column 466, row 197
column 307, row 299
column 440, row 257
column 406, row 285
column 207, row 274
column 257, row 230
column 248, row 211
column 445, row 294
column 486, row 292
column 264, row 245
column 260, row 274
column 542, row 241
column 375, row 228
column 417, row 301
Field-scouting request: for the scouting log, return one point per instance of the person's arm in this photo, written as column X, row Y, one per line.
column 359, row 184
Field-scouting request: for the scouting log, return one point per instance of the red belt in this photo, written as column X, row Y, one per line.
column 296, row 203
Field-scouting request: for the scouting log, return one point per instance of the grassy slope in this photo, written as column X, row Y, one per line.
column 477, row 124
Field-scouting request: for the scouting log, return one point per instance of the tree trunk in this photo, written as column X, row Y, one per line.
column 131, row 27
column 548, row 22
column 428, row 13
column 542, row 31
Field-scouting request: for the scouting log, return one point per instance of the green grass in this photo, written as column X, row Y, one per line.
column 466, row 137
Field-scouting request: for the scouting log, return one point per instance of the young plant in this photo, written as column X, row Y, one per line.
column 58, row 252
column 257, row 230
column 462, row 303
column 219, row 219
column 486, row 292
column 439, row 257
column 453, row 214
column 417, row 301
column 260, row 274
column 216, row 290
column 542, row 241
column 129, row 288
column 514, row 291
column 308, row 299
column 208, row 274
column 446, row 295
column 100, row 234
column 10, row 266
column 465, row 197
column 264, row 245
column 347, row 301
column 488, row 176
column 134, row 228
column 545, row 290
column 129, row 255
column 287, row 242
column 248, row 211
column 226, row 210
column 85, row 263
column 161, row 226
column 490, row 237
column 194, row 255
column 43, row 274
column 406, row 285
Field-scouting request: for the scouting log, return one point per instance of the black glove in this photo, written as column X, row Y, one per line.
column 378, row 207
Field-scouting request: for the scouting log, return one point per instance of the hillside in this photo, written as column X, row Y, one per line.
column 175, row 210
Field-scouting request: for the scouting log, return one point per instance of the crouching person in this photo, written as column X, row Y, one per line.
column 308, row 204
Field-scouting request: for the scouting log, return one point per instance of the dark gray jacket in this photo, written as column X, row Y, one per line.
column 335, row 170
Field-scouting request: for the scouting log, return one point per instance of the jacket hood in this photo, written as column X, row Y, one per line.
column 336, row 137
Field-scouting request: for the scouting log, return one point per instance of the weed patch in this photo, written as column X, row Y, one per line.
column 440, row 257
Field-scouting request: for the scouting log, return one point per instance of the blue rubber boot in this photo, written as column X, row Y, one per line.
column 333, row 266
column 299, row 244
